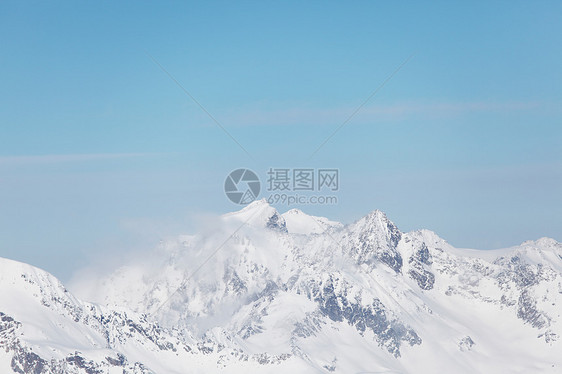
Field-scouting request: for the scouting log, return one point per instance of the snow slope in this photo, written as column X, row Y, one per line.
column 270, row 293
column 299, row 222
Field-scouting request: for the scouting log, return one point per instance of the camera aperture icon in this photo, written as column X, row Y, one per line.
column 242, row 186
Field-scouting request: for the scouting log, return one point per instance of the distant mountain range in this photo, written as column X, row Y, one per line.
column 262, row 292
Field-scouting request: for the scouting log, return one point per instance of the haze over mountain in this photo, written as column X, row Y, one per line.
column 273, row 293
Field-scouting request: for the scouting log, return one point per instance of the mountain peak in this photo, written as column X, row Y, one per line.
column 376, row 219
column 262, row 301
column 377, row 214
column 259, row 214
column 544, row 242
column 293, row 211
column 375, row 237
column 298, row 222
column 256, row 204
column 253, row 208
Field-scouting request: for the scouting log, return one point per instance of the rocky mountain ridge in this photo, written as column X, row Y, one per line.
column 271, row 292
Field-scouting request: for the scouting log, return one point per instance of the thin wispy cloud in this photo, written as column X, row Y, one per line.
column 307, row 115
column 67, row 158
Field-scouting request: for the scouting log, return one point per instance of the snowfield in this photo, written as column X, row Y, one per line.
column 265, row 292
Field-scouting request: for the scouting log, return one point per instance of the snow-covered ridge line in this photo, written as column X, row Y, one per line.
column 293, row 292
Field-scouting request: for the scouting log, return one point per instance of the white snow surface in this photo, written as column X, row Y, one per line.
column 266, row 292
column 299, row 222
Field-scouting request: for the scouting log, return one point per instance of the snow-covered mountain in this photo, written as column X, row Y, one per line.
column 267, row 292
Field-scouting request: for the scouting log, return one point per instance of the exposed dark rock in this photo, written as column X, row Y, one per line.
column 522, row 274
column 389, row 332
column 234, row 284
column 119, row 361
column 466, row 343
column 25, row 362
column 424, row 278
column 276, row 222
column 528, row 312
column 89, row 366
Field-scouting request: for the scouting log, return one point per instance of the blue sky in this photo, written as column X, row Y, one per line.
column 101, row 152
